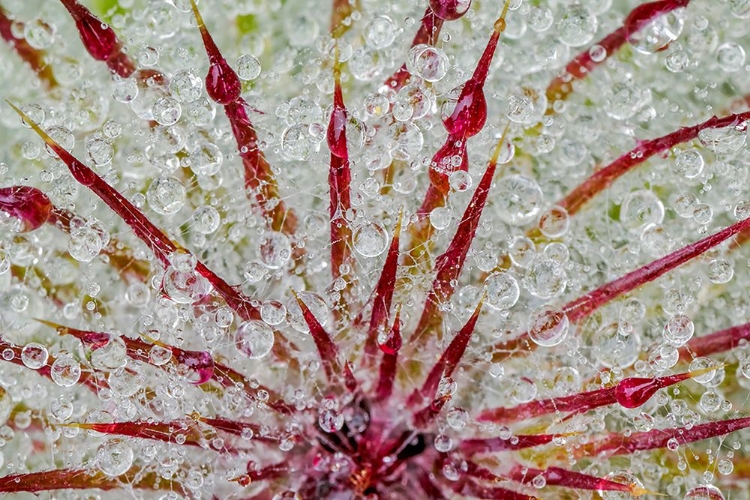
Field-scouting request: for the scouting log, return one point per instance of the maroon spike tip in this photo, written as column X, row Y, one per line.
column 389, row 363
column 99, row 39
column 427, row 34
column 222, row 82
column 384, row 292
column 326, row 347
column 557, row 476
column 716, row 342
column 28, row 205
column 450, row 358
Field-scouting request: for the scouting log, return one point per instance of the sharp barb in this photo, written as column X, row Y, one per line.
column 326, row 347
column 389, row 363
column 384, row 292
column 30, row 206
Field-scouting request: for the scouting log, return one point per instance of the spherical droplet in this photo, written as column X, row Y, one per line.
column 114, row 457
column 274, row 249
column 254, row 339
column 370, row 239
column 502, row 291
column 34, row 355
column 248, row 67
column 518, row 199
column 548, row 327
column 65, row 371
column 166, row 195
column 577, row 26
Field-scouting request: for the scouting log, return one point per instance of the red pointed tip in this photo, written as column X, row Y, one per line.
column 393, row 341
column 223, row 85
column 98, row 38
column 28, row 205
column 326, row 347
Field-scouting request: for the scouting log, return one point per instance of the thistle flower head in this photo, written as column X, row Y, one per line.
column 374, row 249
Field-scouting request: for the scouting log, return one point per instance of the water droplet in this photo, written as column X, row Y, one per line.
column 518, row 199
column 186, row 287
column 254, row 339
column 273, row 312
column 577, row 26
column 34, row 355
column 502, row 291
column 166, row 195
column 248, row 67
column 370, row 239
column 274, row 249
column 678, row 330
column 658, row 33
column 731, row 57
column 548, row 327
column 641, row 208
column 722, row 141
column 65, row 371
column 206, row 219
column 206, row 159
column 114, row 457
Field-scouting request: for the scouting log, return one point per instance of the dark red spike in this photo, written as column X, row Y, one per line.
column 475, row 490
column 76, row 479
column 384, row 293
column 389, row 363
column 721, row 341
column 259, row 178
column 168, row 432
column 514, row 443
column 618, row 444
column 146, row 231
column 273, row 471
column 99, row 39
column 222, row 82
column 33, row 57
column 339, row 179
column 475, row 470
column 326, row 347
column 350, row 381
column 578, row 403
column 424, row 417
column 27, row 204
column 557, row 476
column 630, row 393
column 450, row 358
column 237, row 428
column 604, row 177
column 429, row 487
column 582, row 307
column 448, row 266
column 583, row 63
column 427, row 34
column 87, row 378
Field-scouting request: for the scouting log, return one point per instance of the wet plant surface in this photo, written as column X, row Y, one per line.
column 374, row 249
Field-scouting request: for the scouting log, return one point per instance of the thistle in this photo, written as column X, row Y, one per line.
column 374, row 250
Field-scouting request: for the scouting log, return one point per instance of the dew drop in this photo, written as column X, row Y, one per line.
column 370, row 239
column 548, row 327
column 114, row 457
column 254, row 339
column 34, row 355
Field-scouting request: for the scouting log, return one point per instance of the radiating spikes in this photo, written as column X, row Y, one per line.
column 30, row 206
column 326, row 347
column 236, row 428
column 146, row 231
column 384, row 292
column 449, row 265
column 619, row 444
column 451, row 357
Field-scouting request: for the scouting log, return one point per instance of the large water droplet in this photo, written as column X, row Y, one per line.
column 254, row 339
